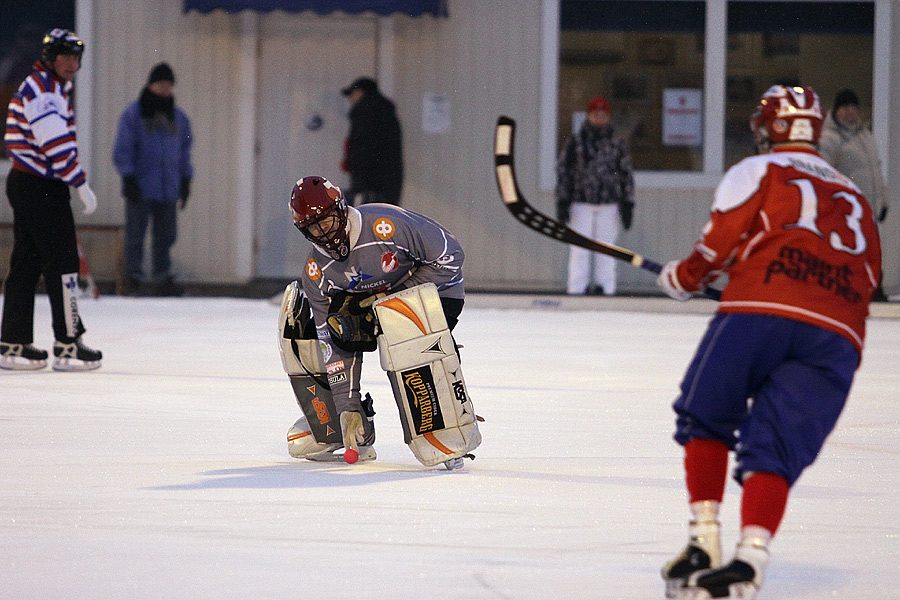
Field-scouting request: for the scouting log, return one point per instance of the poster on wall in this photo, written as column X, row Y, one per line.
column 435, row 113
column 682, row 117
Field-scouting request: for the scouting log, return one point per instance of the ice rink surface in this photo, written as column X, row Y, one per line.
column 165, row 474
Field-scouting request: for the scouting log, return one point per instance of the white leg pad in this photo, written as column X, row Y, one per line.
column 417, row 351
column 298, row 356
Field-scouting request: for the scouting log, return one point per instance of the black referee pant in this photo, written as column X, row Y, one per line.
column 44, row 243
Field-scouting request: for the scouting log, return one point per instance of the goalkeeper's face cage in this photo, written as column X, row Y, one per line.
column 320, row 213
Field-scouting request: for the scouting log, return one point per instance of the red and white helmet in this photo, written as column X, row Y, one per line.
column 787, row 114
column 320, row 213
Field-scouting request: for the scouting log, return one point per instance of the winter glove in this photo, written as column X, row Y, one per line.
column 668, row 281
column 352, row 430
column 562, row 213
column 130, row 188
column 626, row 212
column 882, row 214
column 88, row 198
column 185, row 191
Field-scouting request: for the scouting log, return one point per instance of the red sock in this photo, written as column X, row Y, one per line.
column 706, row 469
column 764, row 500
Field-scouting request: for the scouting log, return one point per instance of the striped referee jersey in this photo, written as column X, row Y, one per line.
column 40, row 128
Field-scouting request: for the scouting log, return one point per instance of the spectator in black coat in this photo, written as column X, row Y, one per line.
column 373, row 153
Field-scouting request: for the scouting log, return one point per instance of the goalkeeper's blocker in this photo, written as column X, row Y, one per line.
column 317, row 434
column 419, row 355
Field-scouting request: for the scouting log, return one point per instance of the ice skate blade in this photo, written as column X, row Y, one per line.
column 743, row 590
column 453, row 464
column 300, row 450
column 17, row 363
column 74, row 364
column 365, row 453
column 673, row 584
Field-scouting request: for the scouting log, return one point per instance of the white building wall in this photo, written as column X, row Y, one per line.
column 485, row 60
column 205, row 52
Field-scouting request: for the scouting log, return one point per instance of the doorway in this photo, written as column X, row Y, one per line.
column 304, row 62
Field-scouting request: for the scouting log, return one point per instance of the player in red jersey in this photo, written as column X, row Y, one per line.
column 773, row 371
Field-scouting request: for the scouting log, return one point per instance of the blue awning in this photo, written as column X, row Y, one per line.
column 437, row 8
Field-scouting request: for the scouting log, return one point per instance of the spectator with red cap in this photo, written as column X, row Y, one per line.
column 594, row 192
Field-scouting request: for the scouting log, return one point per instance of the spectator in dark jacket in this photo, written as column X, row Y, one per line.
column 594, row 192
column 153, row 155
column 373, row 155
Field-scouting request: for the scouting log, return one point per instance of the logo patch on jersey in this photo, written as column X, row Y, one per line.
column 335, row 367
column 389, row 262
column 355, row 277
column 337, row 378
column 312, row 270
column 384, row 228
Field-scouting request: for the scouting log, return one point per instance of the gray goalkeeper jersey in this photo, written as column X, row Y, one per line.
column 391, row 249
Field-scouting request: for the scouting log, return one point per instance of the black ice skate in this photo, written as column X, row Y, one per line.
column 75, row 356
column 703, row 551
column 738, row 580
column 22, row 357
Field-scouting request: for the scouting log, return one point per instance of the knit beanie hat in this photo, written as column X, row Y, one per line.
column 161, row 72
column 845, row 97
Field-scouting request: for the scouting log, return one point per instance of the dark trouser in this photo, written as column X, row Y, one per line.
column 359, row 198
column 452, row 307
column 164, row 232
column 44, row 243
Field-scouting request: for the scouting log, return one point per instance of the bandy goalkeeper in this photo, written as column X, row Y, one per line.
column 383, row 278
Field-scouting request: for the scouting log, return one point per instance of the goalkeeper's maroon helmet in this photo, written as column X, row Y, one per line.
column 786, row 115
column 320, row 213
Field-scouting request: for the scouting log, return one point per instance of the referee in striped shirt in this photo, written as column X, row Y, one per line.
column 40, row 139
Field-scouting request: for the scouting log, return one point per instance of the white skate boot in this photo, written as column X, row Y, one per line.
column 703, row 551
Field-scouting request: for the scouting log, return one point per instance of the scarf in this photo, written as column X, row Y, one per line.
column 157, row 112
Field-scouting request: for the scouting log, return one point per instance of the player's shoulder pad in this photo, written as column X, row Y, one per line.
column 740, row 182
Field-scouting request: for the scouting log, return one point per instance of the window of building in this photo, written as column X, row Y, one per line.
column 825, row 45
column 646, row 58
column 649, row 58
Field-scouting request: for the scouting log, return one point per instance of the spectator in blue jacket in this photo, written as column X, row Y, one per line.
column 153, row 155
